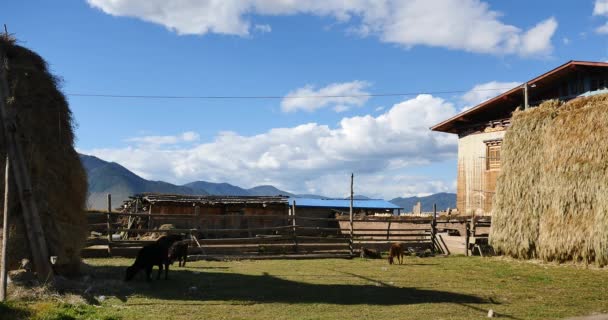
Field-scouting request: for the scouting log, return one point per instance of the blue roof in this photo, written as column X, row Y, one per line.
column 343, row 203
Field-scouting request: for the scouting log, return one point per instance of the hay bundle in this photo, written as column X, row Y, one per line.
column 45, row 131
column 551, row 198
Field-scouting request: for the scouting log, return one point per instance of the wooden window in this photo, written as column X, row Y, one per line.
column 493, row 155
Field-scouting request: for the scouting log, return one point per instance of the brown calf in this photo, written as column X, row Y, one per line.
column 396, row 250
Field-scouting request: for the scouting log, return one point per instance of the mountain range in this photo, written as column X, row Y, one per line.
column 443, row 200
column 109, row 177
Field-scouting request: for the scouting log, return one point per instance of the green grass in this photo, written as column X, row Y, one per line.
column 423, row 288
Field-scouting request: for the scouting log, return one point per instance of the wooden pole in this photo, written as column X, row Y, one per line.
column 526, row 105
column 3, row 268
column 197, row 216
column 466, row 242
column 150, row 217
column 31, row 216
column 352, row 195
column 293, row 223
column 109, row 224
column 434, row 228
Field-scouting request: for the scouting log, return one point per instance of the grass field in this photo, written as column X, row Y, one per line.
column 422, row 288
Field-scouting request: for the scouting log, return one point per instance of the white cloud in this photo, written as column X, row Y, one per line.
column 603, row 29
column 566, row 40
column 538, row 39
column 340, row 96
column 188, row 136
column 263, row 28
column 484, row 91
column 600, row 8
column 310, row 156
column 468, row 25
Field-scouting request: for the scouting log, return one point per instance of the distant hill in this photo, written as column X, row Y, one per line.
column 110, row 177
column 268, row 191
column 443, row 200
column 213, row 188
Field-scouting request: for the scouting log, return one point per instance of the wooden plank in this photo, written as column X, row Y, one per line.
column 317, row 219
column 270, row 257
column 318, row 228
column 382, row 231
column 426, row 234
column 393, row 231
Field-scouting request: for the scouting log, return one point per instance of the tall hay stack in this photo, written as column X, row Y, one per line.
column 45, row 132
column 551, row 198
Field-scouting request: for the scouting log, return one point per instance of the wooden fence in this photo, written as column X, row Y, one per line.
column 295, row 234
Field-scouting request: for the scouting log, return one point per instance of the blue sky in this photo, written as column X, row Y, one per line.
column 285, row 48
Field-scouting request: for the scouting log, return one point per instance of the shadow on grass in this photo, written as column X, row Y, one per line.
column 208, row 286
column 9, row 311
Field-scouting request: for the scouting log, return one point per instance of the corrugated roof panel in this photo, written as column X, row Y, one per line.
column 343, row 203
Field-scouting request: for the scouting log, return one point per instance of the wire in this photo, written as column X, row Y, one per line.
column 102, row 95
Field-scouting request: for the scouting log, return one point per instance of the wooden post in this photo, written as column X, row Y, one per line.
column 109, row 224
column 150, row 217
column 3, row 267
column 472, row 233
column 293, row 223
column 31, row 216
column 197, row 216
column 352, row 195
column 466, row 243
column 434, row 228
column 526, row 105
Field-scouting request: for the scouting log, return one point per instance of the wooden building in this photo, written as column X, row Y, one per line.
column 207, row 213
column 480, row 129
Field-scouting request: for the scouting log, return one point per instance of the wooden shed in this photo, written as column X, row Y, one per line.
column 207, row 213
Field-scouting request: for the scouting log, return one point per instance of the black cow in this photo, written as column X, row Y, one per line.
column 179, row 252
column 154, row 254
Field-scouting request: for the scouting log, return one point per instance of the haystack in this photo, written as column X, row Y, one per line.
column 551, row 198
column 45, row 131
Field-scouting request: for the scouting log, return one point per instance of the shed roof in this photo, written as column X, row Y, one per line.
column 504, row 104
column 343, row 203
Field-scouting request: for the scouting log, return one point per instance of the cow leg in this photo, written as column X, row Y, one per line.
column 184, row 264
column 166, row 271
column 160, row 270
column 148, row 272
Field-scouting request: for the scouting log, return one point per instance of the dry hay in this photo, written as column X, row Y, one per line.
column 551, row 198
column 45, row 131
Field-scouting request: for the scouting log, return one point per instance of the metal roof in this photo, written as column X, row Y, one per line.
column 343, row 203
